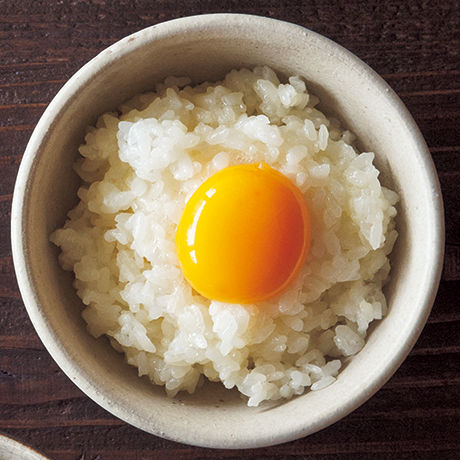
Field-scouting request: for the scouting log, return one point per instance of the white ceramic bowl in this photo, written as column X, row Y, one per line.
column 205, row 48
column 11, row 449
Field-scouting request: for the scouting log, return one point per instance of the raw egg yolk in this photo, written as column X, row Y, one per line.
column 244, row 234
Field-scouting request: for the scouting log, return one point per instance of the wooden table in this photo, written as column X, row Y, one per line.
column 414, row 45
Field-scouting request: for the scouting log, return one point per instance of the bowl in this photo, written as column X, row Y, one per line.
column 205, row 48
column 15, row 450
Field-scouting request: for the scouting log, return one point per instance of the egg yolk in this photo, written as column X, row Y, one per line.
column 244, row 234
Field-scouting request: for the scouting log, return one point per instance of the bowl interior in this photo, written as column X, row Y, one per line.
column 205, row 48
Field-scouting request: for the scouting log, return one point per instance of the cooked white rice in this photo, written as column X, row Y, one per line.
column 139, row 167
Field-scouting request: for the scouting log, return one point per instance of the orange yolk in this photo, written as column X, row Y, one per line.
column 244, row 234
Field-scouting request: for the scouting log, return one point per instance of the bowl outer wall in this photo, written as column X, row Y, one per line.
column 205, row 48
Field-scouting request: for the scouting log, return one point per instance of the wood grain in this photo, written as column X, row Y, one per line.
column 415, row 46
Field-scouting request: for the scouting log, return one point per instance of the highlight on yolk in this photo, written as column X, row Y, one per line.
column 244, row 234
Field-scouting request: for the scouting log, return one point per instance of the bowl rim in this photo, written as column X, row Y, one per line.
column 117, row 51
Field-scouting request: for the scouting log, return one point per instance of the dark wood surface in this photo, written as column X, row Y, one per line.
column 414, row 45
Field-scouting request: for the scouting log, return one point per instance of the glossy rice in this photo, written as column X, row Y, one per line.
column 140, row 165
